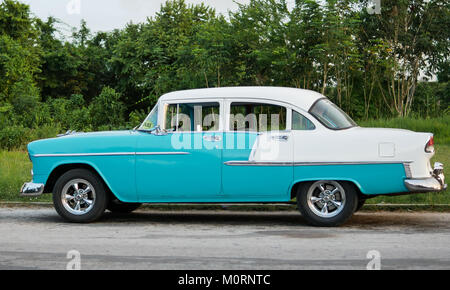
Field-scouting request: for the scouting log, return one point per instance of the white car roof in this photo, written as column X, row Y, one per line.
column 303, row 99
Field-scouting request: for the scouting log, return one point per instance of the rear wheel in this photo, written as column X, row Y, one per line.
column 79, row 196
column 117, row 206
column 327, row 203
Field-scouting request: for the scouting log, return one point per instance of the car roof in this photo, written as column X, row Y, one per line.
column 297, row 97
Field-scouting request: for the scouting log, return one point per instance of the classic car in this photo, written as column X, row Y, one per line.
column 234, row 145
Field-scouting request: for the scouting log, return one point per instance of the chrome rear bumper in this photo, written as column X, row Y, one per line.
column 32, row 189
column 432, row 184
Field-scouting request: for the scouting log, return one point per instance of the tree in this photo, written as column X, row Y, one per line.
column 415, row 44
column 19, row 58
column 304, row 36
column 106, row 110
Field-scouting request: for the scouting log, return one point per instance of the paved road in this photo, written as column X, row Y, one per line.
column 38, row 239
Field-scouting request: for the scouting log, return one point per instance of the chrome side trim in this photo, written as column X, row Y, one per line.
column 350, row 163
column 85, row 154
column 257, row 163
column 276, row 163
column 408, row 171
column 32, row 189
column 163, row 153
column 110, row 154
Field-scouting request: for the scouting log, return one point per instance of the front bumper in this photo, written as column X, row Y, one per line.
column 432, row 184
column 32, row 189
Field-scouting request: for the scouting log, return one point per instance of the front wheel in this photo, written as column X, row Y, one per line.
column 327, row 203
column 361, row 203
column 80, row 196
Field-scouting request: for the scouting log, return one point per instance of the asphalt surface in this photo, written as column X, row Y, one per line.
column 33, row 238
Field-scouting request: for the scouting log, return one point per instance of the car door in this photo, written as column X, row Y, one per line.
column 306, row 140
column 183, row 162
column 258, row 151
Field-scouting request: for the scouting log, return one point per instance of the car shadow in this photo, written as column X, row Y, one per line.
column 210, row 217
column 416, row 221
column 363, row 220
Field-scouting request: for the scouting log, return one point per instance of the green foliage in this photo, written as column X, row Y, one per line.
column 19, row 55
column 440, row 126
column 106, row 110
column 15, row 20
column 432, row 99
column 12, row 137
column 14, row 171
column 71, row 114
column 16, row 137
column 367, row 64
column 136, row 118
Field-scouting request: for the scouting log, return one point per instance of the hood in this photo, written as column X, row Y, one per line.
column 79, row 143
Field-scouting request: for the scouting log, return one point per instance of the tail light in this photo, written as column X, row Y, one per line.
column 429, row 148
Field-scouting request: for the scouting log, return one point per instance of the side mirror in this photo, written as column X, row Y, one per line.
column 159, row 132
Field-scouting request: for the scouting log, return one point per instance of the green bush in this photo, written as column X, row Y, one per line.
column 136, row 118
column 13, row 137
column 17, row 137
column 44, row 132
column 431, row 99
column 440, row 127
column 6, row 115
column 106, row 110
column 70, row 114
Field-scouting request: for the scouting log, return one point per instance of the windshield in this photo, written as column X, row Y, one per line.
column 151, row 121
column 331, row 115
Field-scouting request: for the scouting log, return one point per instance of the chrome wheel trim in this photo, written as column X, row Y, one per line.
column 326, row 199
column 78, row 196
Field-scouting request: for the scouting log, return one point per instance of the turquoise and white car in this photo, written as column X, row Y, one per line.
column 235, row 145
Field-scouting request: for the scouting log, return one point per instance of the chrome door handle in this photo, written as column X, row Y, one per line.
column 280, row 138
column 211, row 138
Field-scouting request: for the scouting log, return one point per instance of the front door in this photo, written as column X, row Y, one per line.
column 185, row 163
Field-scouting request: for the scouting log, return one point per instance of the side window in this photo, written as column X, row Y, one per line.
column 300, row 122
column 152, row 120
column 196, row 117
column 257, row 117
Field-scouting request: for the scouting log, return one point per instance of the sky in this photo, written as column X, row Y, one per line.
column 106, row 15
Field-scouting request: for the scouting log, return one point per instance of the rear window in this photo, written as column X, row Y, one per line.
column 331, row 115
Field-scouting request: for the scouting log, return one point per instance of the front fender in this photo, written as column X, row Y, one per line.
column 116, row 171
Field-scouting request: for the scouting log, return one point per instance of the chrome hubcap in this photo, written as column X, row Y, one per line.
column 78, row 196
column 326, row 198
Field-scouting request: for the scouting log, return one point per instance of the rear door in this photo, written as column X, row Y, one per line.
column 258, row 151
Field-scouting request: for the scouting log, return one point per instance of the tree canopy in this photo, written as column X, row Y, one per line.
column 372, row 65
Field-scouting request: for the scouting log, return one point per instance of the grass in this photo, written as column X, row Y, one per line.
column 15, row 169
column 15, row 166
column 440, row 127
